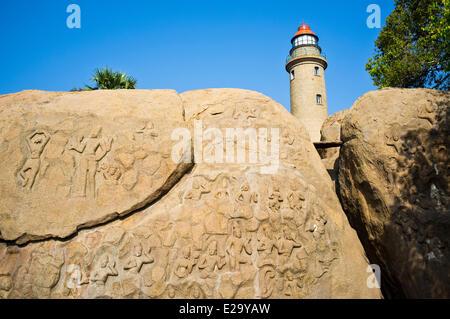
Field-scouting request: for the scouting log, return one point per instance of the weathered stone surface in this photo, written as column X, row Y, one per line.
column 77, row 160
column 223, row 230
column 331, row 132
column 394, row 179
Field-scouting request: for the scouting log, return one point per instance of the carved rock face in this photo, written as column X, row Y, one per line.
column 221, row 230
column 394, row 179
column 76, row 160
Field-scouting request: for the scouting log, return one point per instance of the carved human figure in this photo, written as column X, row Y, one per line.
column 76, row 269
column 244, row 199
column 290, row 285
column 245, row 196
column 267, row 277
column 138, row 258
column 425, row 112
column 46, row 268
column 265, row 239
column 265, row 245
column 325, row 255
column 210, row 261
column 222, row 190
column 44, row 271
column 393, row 137
column 285, row 244
column 5, row 285
column 199, row 187
column 287, row 138
column 220, row 209
column 275, row 199
column 107, row 268
column 36, row 143
column 296, row 199
column 171, row 292
column 317, row 221
column 391, row 167
column 111, row 173
column 92, row 149
column 184, row 264
column 245, row 112
column 300, row 262
column 237, row 246
column 194, row 291
column 146, row 131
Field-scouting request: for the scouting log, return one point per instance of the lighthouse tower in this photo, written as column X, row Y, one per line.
column 306, row 65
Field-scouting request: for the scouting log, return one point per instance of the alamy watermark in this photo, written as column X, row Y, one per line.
column 374, row 19
column 74, row 19
column 74, row 278
column 374, row 280
column 237, row 146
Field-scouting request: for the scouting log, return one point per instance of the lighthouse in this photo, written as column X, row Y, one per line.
column 306, row 65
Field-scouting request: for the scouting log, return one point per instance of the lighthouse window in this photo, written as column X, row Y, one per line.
column 316, row 71
column 319, row 99
column 305, row 39
column 292, row 74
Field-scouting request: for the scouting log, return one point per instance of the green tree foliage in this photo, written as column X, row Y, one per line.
column 412, row 49
column 107, row 79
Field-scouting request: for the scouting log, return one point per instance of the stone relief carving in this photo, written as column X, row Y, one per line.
column 138, row 258
column 245, row 113
column 92, row 150
column 393, row 137
column 238, row 247
column 104, row 265
column 111, row 173
column 417, row 176
column 183, row 257
column 145, row 132
column 185, row 263
column 36, row 142
column 210, row 261
column 5, row 285
column 427, row 112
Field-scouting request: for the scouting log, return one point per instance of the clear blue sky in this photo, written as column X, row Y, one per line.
column 185, row 45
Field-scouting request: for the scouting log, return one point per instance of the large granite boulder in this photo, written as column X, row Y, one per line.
column 71, row 161
column 122, row 211
column 394, row 185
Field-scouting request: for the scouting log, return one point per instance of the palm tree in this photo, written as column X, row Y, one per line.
column 107, row 79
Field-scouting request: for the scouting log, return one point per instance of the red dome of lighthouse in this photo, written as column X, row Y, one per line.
column 304, row 29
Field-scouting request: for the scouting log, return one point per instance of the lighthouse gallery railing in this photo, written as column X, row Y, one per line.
column 304, row 52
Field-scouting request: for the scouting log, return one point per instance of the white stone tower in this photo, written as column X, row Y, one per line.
column 306, row 65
